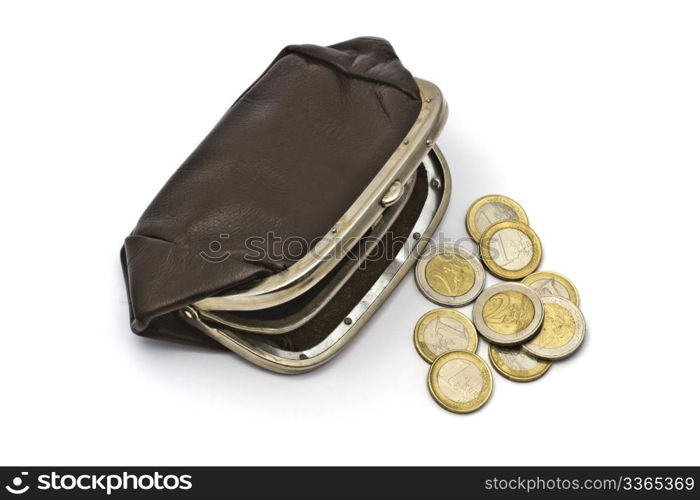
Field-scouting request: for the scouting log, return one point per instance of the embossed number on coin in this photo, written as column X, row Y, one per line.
column 508, row 313
column 490, row 209
column 510, row 250
column 460, row 381
column 442, row 330
column 450, row 275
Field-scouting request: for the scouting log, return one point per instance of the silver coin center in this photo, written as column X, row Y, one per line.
column 550, row 287
column 460, row 380
column 493, row 212
column 445, row 334
column 511, row 249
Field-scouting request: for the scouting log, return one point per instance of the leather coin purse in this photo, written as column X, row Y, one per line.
column 300, row 212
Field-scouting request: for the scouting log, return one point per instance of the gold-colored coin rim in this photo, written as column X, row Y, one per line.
column 419, row 330
column 470, row 218
column 559, row 278
column 571, row 347
column 446, row 402
column 502, row 368
column 485, row 250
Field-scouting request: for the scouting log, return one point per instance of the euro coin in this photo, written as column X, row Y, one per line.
column 517, row 365
column 510, row 250
column 442, row 330
column 508, row 314
column 490, row 209
column 549, row 283
column 562, row 331
column 460, row 381
column 450, row 275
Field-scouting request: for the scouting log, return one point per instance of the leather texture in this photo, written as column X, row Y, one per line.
column 288, row 158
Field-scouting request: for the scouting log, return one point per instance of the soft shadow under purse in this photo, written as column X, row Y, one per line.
column 299, row 213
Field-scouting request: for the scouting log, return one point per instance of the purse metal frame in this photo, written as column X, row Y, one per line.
column 266, row 323
column 384, row 190
column 266, row 355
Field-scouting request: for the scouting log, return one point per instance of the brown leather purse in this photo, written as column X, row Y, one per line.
column 298, row 214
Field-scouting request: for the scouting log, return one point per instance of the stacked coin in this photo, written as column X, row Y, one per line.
column 528, row 325
column 508, row 246
column 459, row 380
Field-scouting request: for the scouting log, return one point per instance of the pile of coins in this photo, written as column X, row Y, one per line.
column 528, row 324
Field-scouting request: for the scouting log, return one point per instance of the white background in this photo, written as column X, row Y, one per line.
column 587, row 113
